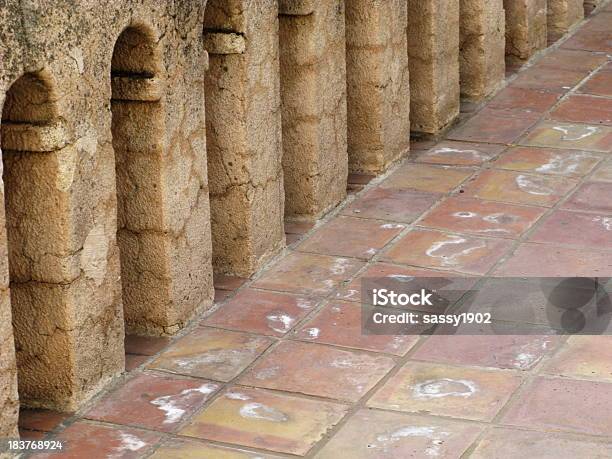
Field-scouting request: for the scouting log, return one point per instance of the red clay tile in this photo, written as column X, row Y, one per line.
column 308, row 273
column 459, row 392
column 483, row 218
column 351, row 237
column 575, row 228
column 460, row 153
column 557, row 134
column 423, row 177
column 222, row 295
column 318, row 370
column 153, row 401
column 226, row 282
column 584, row 109
column 591, row 197
column 389, row 204
column 592, row 40
column 603, row 172
column 373, row 434
column 94, row 441
column 568, row 163
column 521, row 102
column 265, row 419
column 145, row 345
column 548, row 260
column 567, row 59
column 339, row 323
column 548, row 79
column 491, row 128
column 504, row 443
column 434, row 249
column 259, row 311
column 133, row 361
column 599, row 84
column 519, row 188
column 40, row 419
column 499, row 351
column 188, row 449
column 213, row 354
column 546, row 402
column 583, row 357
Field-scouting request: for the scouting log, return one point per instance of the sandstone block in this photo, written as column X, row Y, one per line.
column 526, row 29
column 562, row 15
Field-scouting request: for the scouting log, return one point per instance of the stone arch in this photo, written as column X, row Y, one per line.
column 37, row 226
column 137, row 136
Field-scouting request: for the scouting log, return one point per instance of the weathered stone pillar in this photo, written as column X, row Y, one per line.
column 482, row 64
column 562, row 15
column 525, row 29
column 313, row 89
column 243, row 133
column 378, row 94
column 433, row 59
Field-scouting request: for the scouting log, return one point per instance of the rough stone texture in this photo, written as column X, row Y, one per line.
column 243, row 133
column 313, row 93
column 69, row 215
column 526, row 31
column 378, row 87
column 482, row 65
column 433, row 58
column 562, row 15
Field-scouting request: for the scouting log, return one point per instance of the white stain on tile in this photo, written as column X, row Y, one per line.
column 574, row 132
column 313, row 333
column 280, row 322
column 559, row 164
column 237, row 396
column 465, row 214
column 262, row 412
column 303, row 303
column 435, row 436
column 392, row 226
column 401, row 277
column 339, row 266
column 533, row 185
column 170, row 403
column 606, row 222
column 448, row 252
column 444, row 387
column 267, row 373
column 129, row 442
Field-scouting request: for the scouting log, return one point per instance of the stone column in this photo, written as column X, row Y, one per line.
column 243, row 133
column 562, row 15
column 378, row 87
column 482, row 64
column 433, row 59
column 313, row 91
column 526, row 30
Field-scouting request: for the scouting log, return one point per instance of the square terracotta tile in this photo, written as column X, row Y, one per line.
column 483, row 218
column 591, row 197
column 263, row 312
column 189, row 449
column 371, row 434
column 460, row 153
column 584, row 109
column 434, row 249
column 318, row 370
column 423, row 177
column 490, row 128
column 519, row 188
column 351, row 237
column 387, row 275
column 443, row 390
column 264, row 419
column 575, row 228
column 213, row 354
column 308, row 273
column 145, row 345
column 503, row 443
column 339, row 323
column 498, row 351
column 92, row 441
column 564, row 405
column 41, row 420
column 568, row 163
column 599, row 84
column 548, row 79
column 557, row 134
column 153, row 401
column 588, row 357
column 590, row 40
column 603, row 172
column 549, row 260
column 567, row 59
column 403, row 206
column 522, row 102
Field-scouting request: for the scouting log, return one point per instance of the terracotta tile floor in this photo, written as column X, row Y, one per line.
column 280, row 366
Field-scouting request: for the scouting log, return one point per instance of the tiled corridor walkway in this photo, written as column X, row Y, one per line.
column 280, row 368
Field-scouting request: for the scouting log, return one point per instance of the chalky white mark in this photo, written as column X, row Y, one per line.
column 169, row 403
column 129, row 442
column 391, row 226
column 214, row 356
column 371, row 251
column 465, row 214
column 573, row 132
column 313, row 333
column 529, row 353
column 383, row 441
column 451, row 151
column 561, row 164
column 606, row 222
column 530, row 185
column 237, row 396
column 342, row 363
column 524, row 360
column 452, row 259
column 304, row 304
column 401, row 277
column 280, row 322
column 339, row 266
column 336, row 308
column 262, row 412
column 267, row 373
column 444, row 387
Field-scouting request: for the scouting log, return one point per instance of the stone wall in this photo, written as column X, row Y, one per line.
column 526, row 29
column 562, row 15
